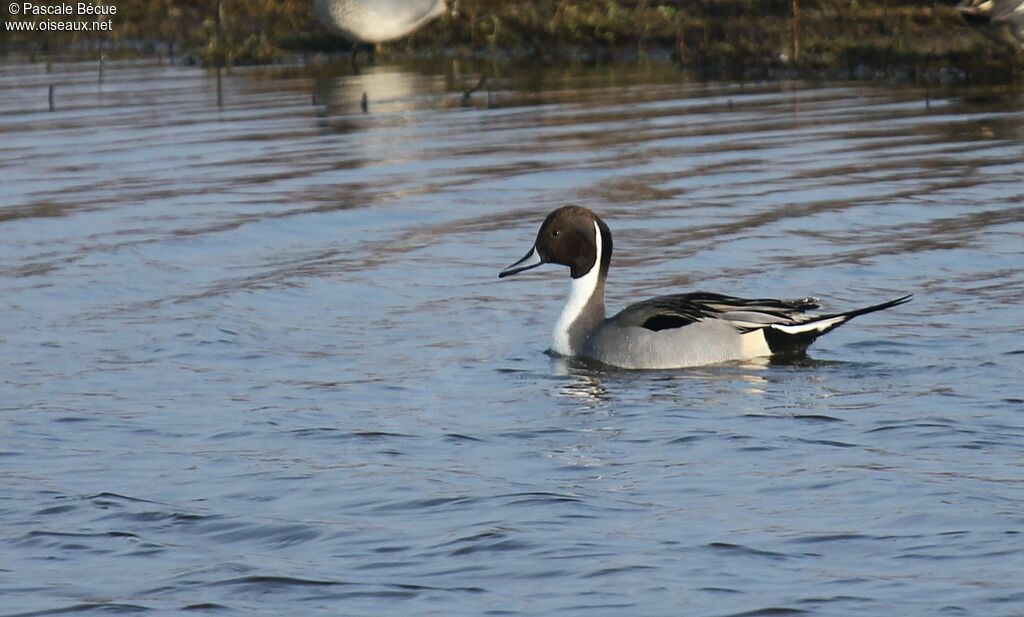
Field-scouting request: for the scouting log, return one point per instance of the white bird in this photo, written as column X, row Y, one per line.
column 376, row 21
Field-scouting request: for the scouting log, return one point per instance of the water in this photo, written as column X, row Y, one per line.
column 256, row 358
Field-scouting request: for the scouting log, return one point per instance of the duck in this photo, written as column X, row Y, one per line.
column 1000, row 20
column 376, row 21
column 666, row 332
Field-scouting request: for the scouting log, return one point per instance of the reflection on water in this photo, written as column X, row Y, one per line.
column 588, row 377
column 254, row 336
column 388, row 92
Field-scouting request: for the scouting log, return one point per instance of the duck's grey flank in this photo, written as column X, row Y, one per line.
column 673, row 331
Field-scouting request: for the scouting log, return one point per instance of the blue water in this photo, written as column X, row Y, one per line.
column 256, row 359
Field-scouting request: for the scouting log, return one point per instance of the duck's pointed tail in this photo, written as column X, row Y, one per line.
column 793, row 338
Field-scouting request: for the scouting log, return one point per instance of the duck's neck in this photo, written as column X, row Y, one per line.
column 584, row 310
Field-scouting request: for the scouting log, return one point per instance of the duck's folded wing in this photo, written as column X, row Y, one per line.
column 679, row 310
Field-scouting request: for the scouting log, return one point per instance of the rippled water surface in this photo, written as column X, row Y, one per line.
column 255, row 357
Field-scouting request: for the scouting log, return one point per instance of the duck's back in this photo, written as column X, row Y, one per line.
column 694, row 329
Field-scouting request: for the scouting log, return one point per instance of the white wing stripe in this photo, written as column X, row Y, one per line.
column 811, row 326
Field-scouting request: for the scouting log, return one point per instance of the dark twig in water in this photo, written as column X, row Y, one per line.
column 368, row 50
column 51, row 97
column 465, row 101
column 364, row 104
column 220, row 88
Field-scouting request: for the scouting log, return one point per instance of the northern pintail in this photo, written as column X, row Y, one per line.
column 376, row 21
column 1000, row 20
column 673, row 331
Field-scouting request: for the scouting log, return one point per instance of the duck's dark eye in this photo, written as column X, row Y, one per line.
column 554, row 233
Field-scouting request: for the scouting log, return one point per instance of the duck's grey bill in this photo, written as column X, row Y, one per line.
column 531, row 260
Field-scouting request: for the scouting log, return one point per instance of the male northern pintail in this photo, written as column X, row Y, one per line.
column 1001, row 20
column 668, row 331
column 376, row 21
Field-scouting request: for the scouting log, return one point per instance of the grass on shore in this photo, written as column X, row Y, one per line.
column 716, row 35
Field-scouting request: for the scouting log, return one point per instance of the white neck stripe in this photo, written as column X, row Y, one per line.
column 580, row 291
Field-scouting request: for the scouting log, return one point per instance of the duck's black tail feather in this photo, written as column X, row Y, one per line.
column 789, row 339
